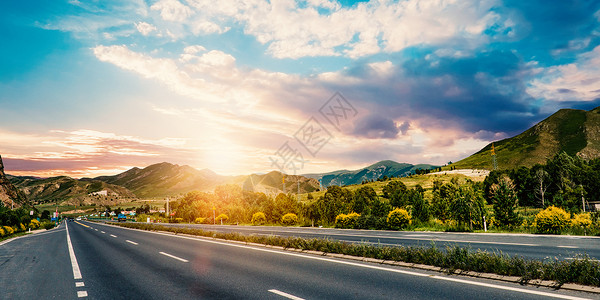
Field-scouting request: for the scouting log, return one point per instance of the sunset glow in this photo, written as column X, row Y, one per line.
column 91, row 88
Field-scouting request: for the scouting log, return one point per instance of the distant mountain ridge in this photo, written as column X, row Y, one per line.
column 577, row 132
column 377, row 170
column 165, row 179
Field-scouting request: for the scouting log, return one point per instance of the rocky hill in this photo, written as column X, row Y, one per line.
column 67, row 190
column 10, row 196
column 577, row 132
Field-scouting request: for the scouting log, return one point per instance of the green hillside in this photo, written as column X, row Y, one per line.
column 377, row 170
column 577, row 132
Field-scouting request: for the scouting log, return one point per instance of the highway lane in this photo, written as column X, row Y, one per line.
column 526, row 245
column 37, row 266
column 121, row 263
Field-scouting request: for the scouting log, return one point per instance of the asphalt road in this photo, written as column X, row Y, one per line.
column 109, row 262
column 526, row 245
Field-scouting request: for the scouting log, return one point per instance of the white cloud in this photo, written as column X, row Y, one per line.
column 145, row 28
column 324, row 28
column 172, row 10
column 570, row 82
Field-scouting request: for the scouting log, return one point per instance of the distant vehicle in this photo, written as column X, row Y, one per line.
column 78, row 219
column 122, row 218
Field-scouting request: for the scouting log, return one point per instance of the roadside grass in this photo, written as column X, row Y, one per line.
column 454, row 259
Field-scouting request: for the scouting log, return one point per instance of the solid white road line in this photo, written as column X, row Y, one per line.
column 283, row 294
column 74, row 264
column 81, row 294
column 131, row 242
column 173, row 256
column 102, row 231
column 113, row 235
column 79, row 284
column 570, row 247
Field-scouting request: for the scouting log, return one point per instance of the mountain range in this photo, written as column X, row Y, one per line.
column 373, row 172
column 576, row 132
column 165, row 179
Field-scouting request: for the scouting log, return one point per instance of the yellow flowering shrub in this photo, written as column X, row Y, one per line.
column 552, row 220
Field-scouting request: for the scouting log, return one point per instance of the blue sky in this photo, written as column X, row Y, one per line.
column 96, row 87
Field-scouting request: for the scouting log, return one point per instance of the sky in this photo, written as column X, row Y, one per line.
column 91, row 88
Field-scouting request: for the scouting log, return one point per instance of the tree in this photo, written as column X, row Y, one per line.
column 505, row 202
column 443, row 196
column 336, row 201
column 541, row 187
column 45, row 215
column 419, row 205
column 363, row 199
column 394, row 188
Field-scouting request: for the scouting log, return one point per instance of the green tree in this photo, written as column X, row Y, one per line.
column 336, row 201
column 394, row 191
column 419, row 205
column 505, row 202
column 363, row 199
column 442, row 198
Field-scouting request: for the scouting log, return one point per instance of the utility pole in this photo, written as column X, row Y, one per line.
column 283, row 181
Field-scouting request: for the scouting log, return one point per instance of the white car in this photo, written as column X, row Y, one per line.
column 78, row 219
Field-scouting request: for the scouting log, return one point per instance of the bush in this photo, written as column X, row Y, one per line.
column 48, row 225
column 582, row 220
column 350, row 220
column 34, row 224
column 22, row 227
column 552, row 220
column 1, row 231
column 259, row 218
column 222, row 218
column 199, row 220
column 398, row 218
column 178, row 220
column 8, row 230
column 289, row 219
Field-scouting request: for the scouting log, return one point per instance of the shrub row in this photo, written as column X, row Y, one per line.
column 581, row 270
column 555, row 220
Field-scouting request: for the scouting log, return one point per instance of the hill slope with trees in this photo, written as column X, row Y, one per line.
column 575, row 132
